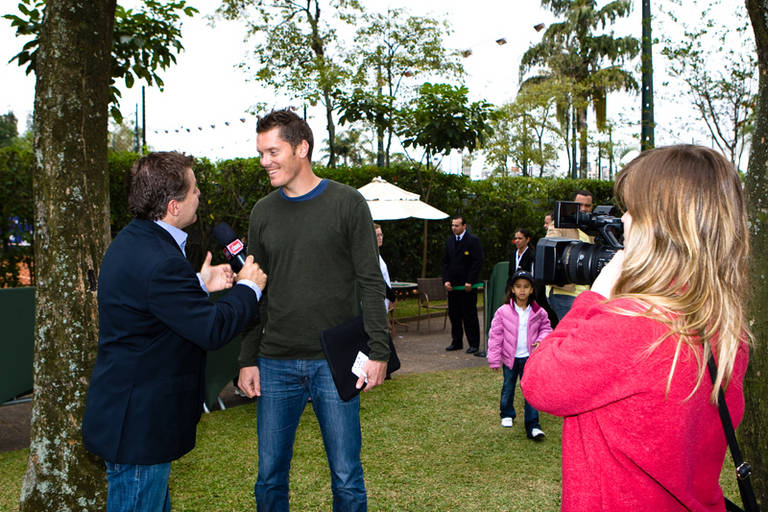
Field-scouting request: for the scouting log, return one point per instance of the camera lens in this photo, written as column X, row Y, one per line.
column 583, row 261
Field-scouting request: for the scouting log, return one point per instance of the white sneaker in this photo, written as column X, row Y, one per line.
column 537, row 433
column 507, row 422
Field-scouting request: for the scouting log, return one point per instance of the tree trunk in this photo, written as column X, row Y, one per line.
column 646, row 64
column 71, row 235
column 752, row 431
column 541, row 152
column 581, row 121
column 424, row 249
column 424, row 193
column 331, row 129
column 381, row 161
column 574, row 158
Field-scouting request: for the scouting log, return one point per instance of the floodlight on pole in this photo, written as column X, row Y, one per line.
column 539, row 27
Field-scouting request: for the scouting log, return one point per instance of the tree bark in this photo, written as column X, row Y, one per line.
column 647, row 125
column 331, row 129
column 71, row 235
column 752, row 431
column 581, row 122
column 574, row 157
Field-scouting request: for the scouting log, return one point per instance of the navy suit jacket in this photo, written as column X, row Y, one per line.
column 462, row 260
column 155, row 326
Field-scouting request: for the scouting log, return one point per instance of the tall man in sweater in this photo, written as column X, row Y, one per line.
column 315, row 238
column 462, row 260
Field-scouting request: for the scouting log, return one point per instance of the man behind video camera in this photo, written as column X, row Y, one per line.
column 561, row 297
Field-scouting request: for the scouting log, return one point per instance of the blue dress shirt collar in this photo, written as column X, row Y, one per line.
column 178, row 235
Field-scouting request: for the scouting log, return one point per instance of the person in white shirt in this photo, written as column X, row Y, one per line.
column 389, row 300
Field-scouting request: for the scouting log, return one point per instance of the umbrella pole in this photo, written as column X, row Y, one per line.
column 424, row 251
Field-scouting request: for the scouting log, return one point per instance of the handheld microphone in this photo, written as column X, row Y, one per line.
column 234, row 250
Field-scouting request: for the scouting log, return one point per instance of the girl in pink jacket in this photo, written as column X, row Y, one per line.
column 516, row 330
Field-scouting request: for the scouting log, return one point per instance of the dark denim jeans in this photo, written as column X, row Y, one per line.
column 507, row 405
column 561, row 304
column 285, row 387
column 138, row 488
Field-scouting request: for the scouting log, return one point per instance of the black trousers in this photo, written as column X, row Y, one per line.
column 462, row 310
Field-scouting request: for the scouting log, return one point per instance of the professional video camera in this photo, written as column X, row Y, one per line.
column 561, row 261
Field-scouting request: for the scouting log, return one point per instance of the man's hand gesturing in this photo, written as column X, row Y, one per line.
column 252, row 272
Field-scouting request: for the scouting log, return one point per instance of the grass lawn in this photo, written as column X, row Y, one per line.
column 431, row 442
column 409, row 308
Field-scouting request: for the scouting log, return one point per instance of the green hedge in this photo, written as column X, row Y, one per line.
column 16, row 212
column 494, row 208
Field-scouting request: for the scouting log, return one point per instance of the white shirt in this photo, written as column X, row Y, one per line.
column 385, row 275
column 522, row 330
column 518, row 257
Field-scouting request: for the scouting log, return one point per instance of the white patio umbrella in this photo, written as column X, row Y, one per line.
column 390, row 202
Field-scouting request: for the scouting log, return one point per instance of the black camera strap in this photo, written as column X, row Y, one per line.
column 743, row 469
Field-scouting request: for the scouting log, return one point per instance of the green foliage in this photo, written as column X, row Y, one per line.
column 353, row 147
column 518, row 133
column 441, row 119
column 574, row 49
column 8, row 129
column 391, row 50
column 121, row 137
column 118, row 167
column 716, row 61
column 228, row 191
column 143, row 41
column 16, row 213
column 296, row 48
column 494, row 208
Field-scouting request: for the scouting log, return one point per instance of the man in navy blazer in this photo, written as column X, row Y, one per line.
column 462, row 260
column 156, row 323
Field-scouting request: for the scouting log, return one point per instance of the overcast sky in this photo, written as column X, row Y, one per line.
column 206, row 88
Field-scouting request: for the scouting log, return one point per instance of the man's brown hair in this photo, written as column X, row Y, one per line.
column 293, row 129
column 155, row 179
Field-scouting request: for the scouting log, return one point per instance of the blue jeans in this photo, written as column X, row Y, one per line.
column 285, row 387
column 138, row 488
column 561, row 304
column 507, row 405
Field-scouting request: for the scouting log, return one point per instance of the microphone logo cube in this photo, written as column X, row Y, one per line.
column 235, row 246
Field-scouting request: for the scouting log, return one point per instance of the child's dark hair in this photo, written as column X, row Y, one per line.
column 511, row 293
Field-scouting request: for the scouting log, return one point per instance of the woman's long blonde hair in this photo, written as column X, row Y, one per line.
column 687, row 251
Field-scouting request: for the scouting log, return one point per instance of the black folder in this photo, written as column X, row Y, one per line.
column 341, row 345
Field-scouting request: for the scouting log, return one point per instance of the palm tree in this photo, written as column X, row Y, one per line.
column 591, row 61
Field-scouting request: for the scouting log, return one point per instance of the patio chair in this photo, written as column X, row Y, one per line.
column 431, row 289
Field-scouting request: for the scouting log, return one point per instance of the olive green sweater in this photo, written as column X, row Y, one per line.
column 320, row 255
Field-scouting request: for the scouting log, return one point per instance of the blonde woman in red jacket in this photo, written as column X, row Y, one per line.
column 627, row 366
column 516, row 330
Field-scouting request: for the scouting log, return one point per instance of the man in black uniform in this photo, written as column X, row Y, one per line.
column 462, row 260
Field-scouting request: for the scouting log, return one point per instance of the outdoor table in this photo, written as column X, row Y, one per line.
column 404, row 288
